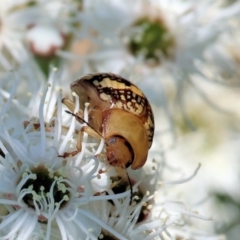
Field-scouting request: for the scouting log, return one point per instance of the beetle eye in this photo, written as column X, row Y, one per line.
column 119, row 152
column 111, row 140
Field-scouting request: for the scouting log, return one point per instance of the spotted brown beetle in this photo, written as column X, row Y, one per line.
column 120, row 113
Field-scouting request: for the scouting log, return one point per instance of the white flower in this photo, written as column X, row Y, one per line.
column 47, row 46
column 184, row 28
column 152, row 216
column 24, row 21
column 14, row 20
column 49, row 194
column 39, row 186
column 55, row 22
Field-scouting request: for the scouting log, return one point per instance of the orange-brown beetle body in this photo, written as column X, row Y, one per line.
column 121, row 113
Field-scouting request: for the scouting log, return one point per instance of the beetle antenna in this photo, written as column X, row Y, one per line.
column 131, row 187
column 79, row 118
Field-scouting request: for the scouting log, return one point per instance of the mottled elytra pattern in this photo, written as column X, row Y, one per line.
column 121, row 93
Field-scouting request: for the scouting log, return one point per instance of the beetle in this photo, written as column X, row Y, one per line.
column 120, row 113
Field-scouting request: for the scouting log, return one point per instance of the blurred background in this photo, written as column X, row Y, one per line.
column 183, row 54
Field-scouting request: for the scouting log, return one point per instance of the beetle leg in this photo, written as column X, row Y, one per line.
column 79, row 140
column 78, row 146
column 69, row 104
column 86, row 129
column 92, row 132
column 69, row 154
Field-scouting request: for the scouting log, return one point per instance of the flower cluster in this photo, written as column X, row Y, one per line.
column 49, row 190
